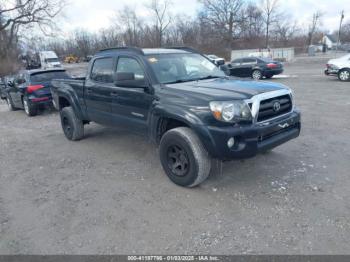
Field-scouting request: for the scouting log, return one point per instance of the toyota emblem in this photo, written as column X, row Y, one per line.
column 276, row 106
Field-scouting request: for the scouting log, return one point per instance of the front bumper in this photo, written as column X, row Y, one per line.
column 40, row 100
column 273, row 71
column 329, row 71
column 250, row 140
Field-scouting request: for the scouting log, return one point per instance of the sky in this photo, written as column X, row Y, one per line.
column 93, row 15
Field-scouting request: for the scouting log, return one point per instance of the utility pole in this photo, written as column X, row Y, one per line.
column 340, row 24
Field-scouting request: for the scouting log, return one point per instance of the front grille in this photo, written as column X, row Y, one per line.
column 268, row 110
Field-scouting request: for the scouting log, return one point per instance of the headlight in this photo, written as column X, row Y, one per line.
column 231, row 111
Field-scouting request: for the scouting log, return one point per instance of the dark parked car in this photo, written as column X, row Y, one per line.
column 184, row 103
column 31, row 88
column 254, row 67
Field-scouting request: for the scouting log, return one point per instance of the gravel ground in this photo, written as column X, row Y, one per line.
column 107, row 194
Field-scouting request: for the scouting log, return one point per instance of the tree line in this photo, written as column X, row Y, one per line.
column 219, row 27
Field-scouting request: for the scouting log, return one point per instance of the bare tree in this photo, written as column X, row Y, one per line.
column 224, row 15
column 22, row 13
column 17, row 15
column 285, row 31
column 271, row 15
column 129, row 23
column 83, row 42
column 251, row 24
column 160, row 8
column 314, row 25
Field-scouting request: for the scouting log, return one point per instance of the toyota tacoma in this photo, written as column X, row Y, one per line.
column 183, row 102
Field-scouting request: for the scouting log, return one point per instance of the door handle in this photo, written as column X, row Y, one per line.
column 114, row 94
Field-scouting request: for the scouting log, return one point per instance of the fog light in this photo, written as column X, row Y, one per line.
column 231, row 142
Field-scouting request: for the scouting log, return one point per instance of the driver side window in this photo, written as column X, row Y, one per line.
column 130, row 65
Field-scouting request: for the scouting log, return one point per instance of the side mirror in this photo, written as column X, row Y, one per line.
column 10, row 83
column 128, row 80
column 20, row 81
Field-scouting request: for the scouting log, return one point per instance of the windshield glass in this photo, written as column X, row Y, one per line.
column 51, row 60
column 266, row 59
column 48, row 76
column 177, row 68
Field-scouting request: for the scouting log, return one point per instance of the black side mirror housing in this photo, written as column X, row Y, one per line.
column 128, row 80
column 20, row 81
column 10, row 83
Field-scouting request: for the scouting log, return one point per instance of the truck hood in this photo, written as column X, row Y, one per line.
column 340, row 62
column 223, row 89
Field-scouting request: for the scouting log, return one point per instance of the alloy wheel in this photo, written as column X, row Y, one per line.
column 26, row 106
column 67, row 128
column 344, row 75
column 257, row 75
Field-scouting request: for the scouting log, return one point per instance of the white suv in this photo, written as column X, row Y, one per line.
column 339, row 67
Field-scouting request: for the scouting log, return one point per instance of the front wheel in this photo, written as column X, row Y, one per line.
column 73, row 127
column 31, row 110
column 184, row 158
column 10, row 105
column 256, row 75
column 344, row 75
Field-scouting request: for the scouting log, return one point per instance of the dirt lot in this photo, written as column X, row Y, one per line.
column 107, row 194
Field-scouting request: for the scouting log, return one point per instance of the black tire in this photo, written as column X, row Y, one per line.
column 344, row 75
column 184, row 158
column 31, row 110
column 257, row 74
column 73, row 128
column 9, row 102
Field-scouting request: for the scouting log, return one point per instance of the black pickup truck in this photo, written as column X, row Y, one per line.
column 185, row 104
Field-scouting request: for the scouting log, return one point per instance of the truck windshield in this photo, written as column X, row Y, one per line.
column 48, row 76
column 177, row 68
column 51, row 60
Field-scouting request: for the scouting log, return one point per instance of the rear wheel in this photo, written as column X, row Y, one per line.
column 184, row 158
column 31, row 110
column 344, row 75
column 256, row 75
column 73, row 127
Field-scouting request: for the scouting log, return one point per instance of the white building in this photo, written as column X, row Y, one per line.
column 330, row 41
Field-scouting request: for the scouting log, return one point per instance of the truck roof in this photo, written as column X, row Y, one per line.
column 149, row 51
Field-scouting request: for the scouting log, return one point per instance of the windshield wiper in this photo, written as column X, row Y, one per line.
column 209, row 77
column 194, row 79
column 180, row 81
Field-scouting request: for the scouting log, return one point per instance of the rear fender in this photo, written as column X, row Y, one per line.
column 70, row 95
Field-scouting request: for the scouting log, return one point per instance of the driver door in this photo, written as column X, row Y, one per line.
column 131, row 105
